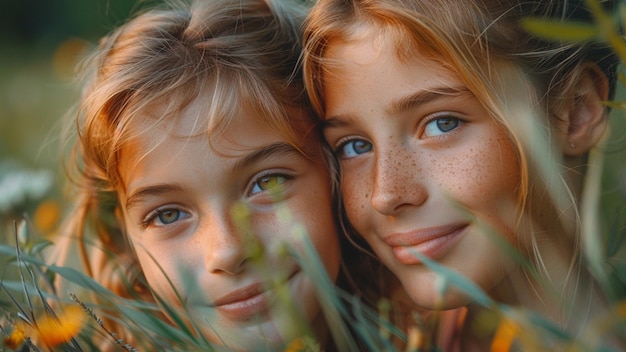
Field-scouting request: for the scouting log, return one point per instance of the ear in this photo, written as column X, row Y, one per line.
column 585, row 120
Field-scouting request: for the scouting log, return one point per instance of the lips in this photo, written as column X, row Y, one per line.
column 431, row 242
column 244, row 303
column 248, row 302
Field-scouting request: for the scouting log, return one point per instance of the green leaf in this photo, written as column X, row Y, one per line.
column 80, row 279
column 616, row 104
column 458, row 280
column 39, row 246
column 156, row 325
column 616, row 233
column 558, row 30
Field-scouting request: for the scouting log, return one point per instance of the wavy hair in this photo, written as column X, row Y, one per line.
column 518, row 78
column 247, row 52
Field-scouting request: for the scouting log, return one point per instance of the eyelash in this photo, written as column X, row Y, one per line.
column 341, row 144
column 267, row 174
column 440, row 116
column 154, row 214
column 343, row 141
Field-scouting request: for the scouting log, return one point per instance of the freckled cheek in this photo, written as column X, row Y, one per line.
column 483, row 177
column 355, row 191
column 315, row 215
column 325, row 238
column 501, row 168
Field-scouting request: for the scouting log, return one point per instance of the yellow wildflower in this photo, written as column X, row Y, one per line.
column 17, row 337
column 47, row 216
column 416, row 339
column 621, row 309
column 505, row 335
column 53, row 331
column 303, row 344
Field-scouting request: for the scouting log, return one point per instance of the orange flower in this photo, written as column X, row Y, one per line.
column 47, row 216
column 303, row 344
column 505, row 335
column 17, row 337
column 295, row 345
column 416, row 339
column 621, row 309
column 55, row 331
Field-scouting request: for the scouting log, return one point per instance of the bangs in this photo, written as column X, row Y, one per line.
column 236, row 93
column 231, row 94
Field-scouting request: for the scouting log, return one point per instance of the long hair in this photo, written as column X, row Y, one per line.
column 519, row 79
column 247, row 53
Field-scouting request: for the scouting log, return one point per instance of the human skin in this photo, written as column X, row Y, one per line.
column 424, row 168
column 206, row 228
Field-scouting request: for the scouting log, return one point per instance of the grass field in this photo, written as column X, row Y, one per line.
column 36, row 91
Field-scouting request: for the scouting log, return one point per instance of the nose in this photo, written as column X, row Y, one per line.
column 398, row 180
column 229, row 247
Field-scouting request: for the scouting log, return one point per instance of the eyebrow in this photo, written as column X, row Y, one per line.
column 404, row 104
column 138, row 196
column 280, row 149
column 425, row 97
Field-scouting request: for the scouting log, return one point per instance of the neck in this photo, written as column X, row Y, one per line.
column 321, row 332
column 575, row 169
column 560, row 290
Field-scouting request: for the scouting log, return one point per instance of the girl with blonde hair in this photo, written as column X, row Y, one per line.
column 462, row 143
column 201, row 174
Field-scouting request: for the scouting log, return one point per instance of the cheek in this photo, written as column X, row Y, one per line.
column 165, row 274
column 485, row 178
column 318, row 220
column 500, row 168
column 312, row 211
column 355, row 192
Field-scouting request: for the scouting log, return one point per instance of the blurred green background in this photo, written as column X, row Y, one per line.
column 41, row 41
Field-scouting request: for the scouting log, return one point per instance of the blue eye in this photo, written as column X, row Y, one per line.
column 165, row 216
column 441, row 126
column 268, row 182
column 353, row 148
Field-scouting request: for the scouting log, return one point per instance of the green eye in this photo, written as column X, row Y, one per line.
column 168, row 216
column 164, row 216
column 268, row 182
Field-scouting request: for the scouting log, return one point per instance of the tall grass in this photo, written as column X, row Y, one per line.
column 35, row 316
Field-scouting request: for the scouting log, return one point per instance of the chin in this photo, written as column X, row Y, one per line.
column 261, row 337
column 428, row 295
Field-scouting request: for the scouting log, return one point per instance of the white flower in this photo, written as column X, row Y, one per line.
column 16, row 188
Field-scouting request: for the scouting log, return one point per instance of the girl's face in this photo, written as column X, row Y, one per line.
column 423, row 165
column 210, row 229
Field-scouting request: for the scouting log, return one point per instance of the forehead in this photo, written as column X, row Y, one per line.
column 236, row 128
column 357, row 41
column 232, row 132
column 392, row 37
column 185, row 137
column 367, row 45
column 370, row 57
column 210, row 112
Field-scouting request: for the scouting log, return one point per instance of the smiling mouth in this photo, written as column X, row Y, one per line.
column 431, row 243
column 249, row 302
